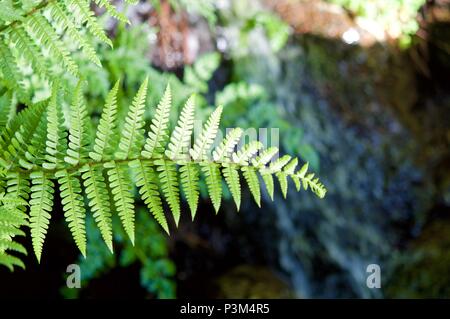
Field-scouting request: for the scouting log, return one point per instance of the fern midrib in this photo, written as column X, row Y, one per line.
column 151, row 161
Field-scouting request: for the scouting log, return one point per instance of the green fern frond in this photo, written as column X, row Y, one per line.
column 206, row 138
column 147, row 181
column 223, row 151
column 98, row 197
column 157, row 136
column 73, row 206
column 35, row 142
column 104, row 141
column 121, row 190
column 133, row 131
column 169, row 186
column 251, row 178
column 40, row 207
column 60, row 14
column 81, row 7
column 56, row 143
column 112, row 11
column 230, row 172
column 213, row 182
column 37, row 32
column 189, row 176
column 39, row 27
column 180, row 141
column 78, row 133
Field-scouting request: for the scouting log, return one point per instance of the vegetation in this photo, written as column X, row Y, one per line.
column 45, row 151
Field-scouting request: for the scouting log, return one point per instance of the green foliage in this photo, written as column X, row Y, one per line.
column 155, row 164
column 397, row 17
column 36, row 34
column 150, row 252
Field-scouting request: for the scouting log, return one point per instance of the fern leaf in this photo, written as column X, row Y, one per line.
column 78, row 133
column 21, row 138
column 40, row 207
column 11, row 74
column 104, row 140
column 73, row 206
column 282, row 178
column 8, row 13
column 39, row 27
column 157, row 136
column 206, row 138
column 112, row 11
column 268, row 181
column 265, row 157
column 26, row 47
column 180, row 141
column 7, row 109
column 98, row 196
column 276, row 166
column 121, row 189
column 246, row 153
column 60, row 14
column 251, row 178
column 133, row 132
column 56, row 133
column 222, row 152
column 213, row 182
column 18, row 187
column 88, row 17
column 147, row 181
column 35, row 153
column 189, row 180
column 169, row 186
column 231, row 175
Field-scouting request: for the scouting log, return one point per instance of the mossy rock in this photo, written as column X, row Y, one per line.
column 250, row 282
column 423, row 271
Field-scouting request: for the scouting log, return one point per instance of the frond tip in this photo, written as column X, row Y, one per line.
column 45, row 152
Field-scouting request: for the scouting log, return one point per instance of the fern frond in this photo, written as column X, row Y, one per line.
column 242, row 156
column 21, row 138
column 78, row 133
column 11, row 74
column 73, row 206
column 169, row 186
column 231, row 175
column 7, row 109
column 40, row 207
column 8, row 13
column 27, row 48
column 180, row 141
column 158, row 135
column 189, row 176
column 147, row 181
column 222, row 152
column 56, row 144
column 206, row 138
column 213, row 182
column 104, row 141
column 133, row 131
column 98, row 196
column 121, row 187
column 39, row 27
column 112, row 11
column 60, row 14
column 87, row 16
column 35, row 147
column 251, row 178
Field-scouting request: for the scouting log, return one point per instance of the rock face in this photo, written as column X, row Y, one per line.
column 362, row 110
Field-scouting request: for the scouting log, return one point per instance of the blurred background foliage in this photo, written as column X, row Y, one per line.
column 360, row 89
